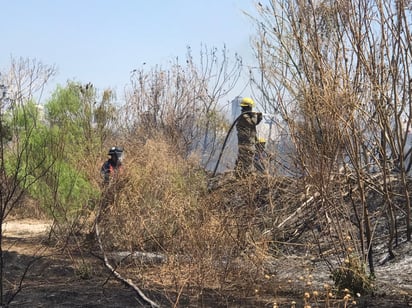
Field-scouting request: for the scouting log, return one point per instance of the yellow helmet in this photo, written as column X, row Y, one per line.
column 247, row 102
column 261, row 140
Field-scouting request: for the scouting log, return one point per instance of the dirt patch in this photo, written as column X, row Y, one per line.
column 38, row 275
column 25, row 228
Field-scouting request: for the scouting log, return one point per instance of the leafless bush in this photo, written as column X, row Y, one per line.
column 184, row 101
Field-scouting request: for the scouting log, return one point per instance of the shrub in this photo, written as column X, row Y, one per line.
column 352, row 275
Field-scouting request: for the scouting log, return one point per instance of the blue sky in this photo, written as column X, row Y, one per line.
column 101, row 41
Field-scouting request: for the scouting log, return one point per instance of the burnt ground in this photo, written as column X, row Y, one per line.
column 57, row 279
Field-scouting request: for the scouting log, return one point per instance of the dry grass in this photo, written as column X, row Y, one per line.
column 164, row 207
column 224, row 240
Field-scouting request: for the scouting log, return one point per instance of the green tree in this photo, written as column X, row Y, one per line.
column 19, row 143
column 84, row 122
column 81, row 126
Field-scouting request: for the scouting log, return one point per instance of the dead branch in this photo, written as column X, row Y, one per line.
column 127, row 281
column 300, row 209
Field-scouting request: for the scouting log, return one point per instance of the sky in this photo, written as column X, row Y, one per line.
column 102, row 41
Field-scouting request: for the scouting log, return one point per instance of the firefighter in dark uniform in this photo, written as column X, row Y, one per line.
column 110, row 173
column 261, row 156
column 113, row 165
column 246, row 134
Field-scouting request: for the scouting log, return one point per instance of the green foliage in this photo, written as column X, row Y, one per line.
column 65, row 112
column 82, row 120
column 84, row 270
column 63, row 191
column 352, row 276
column 71, row 115
column 52, row 158
column 26, row 159
column 5, row 132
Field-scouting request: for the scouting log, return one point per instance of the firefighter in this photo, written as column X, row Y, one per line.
column 261, row 155
column 110, row 171
column 113, row 165
column 246, row 134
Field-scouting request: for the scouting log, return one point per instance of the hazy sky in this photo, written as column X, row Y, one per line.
column 102, row 41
